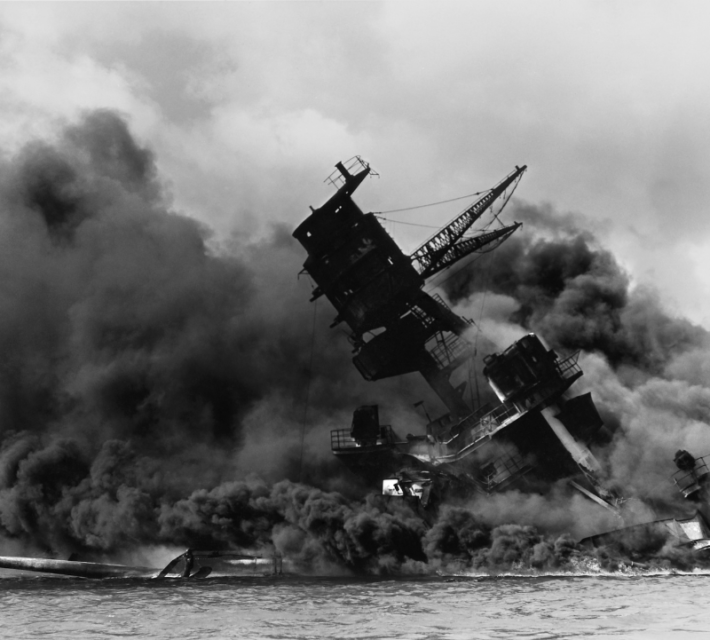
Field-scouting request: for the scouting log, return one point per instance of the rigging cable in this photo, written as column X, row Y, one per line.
column 411, row 224
column 433, row 204
column 435, row 282
column 380, row 214
column 434, row 226
column 480, row 321
column 309, row 376
column 474, row 407
column 504, row 203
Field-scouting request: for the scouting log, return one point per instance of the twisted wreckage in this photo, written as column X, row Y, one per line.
column 537, row 433
column 192, row 564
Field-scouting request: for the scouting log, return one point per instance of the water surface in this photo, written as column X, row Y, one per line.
column 643, row 607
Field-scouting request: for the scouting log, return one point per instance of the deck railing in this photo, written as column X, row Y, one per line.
column 505, row 467
column 341, row 440
column 448, row 349
column 479, row 424
column 687, row 481
column 569, row 367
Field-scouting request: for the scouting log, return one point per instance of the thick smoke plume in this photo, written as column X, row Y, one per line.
column 570, row 290
column 142, row 361
column 644, row 366
column 160, row 387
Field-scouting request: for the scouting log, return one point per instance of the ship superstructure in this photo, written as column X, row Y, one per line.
column 534, row 435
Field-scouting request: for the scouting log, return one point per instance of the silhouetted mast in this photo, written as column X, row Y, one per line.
column 376, row 289
column 441, row 251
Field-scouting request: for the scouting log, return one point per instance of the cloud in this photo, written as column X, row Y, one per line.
column 124, row 332
column 243, row 103
column 148, row 297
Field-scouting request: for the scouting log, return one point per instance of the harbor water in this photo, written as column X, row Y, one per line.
column 453, row 608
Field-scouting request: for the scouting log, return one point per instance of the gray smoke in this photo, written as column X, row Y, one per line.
column 644, row 365
column 574, row 293
column 130, row 345
column 154, row 381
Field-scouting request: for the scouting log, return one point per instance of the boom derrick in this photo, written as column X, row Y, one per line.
column 535, row 435
column 470, row 245
column 427, row 259
column 376, row 289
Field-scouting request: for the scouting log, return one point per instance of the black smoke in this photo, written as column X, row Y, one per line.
column 141, row 357
column 575, row 294
column 641, row 361
column 160, row 386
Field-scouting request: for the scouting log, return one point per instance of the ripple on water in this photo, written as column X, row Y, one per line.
column 648, row 607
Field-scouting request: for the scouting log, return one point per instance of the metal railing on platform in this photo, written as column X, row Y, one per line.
column 448, row 349
column 341, row 440
column 503, row 469
column 569, row 367
column 687, row 481
column 483, row 422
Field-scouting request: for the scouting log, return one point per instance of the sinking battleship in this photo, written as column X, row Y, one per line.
column 190, row 565
column 537, row 433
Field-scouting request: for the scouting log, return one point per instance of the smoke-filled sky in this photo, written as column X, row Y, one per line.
column 249, row 105
column 156, row 340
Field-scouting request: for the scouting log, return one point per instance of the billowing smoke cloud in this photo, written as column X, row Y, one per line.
column 140, row 359
column 574, row 293
column 160, row 387
column 644, row 366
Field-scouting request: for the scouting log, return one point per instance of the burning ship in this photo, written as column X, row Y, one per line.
column 537, row 433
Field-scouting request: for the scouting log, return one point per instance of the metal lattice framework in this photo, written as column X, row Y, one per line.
column 438, row 252
column 470, row 245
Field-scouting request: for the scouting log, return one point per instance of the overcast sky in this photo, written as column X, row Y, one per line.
column 249, row 105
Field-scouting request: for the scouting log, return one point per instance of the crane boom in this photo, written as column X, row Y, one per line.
column 470, row 245
column 427, row 257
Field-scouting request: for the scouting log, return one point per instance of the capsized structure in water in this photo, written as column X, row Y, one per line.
column 193, row 564
column 537, row 433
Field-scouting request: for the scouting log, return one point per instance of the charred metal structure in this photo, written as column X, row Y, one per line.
column 193, row 565
column 534, row 435
column 689, row 525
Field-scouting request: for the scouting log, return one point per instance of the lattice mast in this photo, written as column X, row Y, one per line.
column 444, row 248
column 376, row 289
